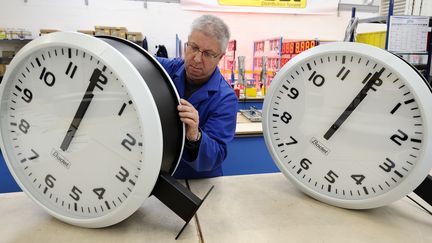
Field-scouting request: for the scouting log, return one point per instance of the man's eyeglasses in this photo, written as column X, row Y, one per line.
column 206, row 54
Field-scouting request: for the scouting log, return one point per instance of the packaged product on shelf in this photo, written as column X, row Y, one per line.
column 2, row 33
column 87, row 32
column 134, row 36
column 119, row 32
column 47, row 31
column 2, row 69
column 103, row 30
column 7, row 54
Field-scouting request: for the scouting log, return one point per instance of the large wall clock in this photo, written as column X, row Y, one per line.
column 348, row 124
column 88, row 125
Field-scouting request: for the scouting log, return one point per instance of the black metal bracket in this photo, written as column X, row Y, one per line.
column 424, row 190
column 177, row 197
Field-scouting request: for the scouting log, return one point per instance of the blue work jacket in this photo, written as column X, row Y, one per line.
column 216, row 103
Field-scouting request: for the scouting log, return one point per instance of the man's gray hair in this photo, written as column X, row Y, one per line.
column 212, row 26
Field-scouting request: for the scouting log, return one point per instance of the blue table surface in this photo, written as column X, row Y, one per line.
column 246, row 155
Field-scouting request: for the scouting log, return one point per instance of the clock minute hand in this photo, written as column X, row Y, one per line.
column 374, row 80
column 96, row 78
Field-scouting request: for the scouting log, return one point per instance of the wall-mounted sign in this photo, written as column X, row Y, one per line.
column 266, row 3
column 263, row 6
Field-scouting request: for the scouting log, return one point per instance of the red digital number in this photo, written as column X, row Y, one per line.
column 312, row 43
column 302, row 46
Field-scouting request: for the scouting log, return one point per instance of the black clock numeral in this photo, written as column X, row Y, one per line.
column 123, row 107
column 24, row 126
column 49, row 181
column 71, row 69
column 96, row 79
column 331, row 176
column 35, row 155
column 358, row 179
column 47, row 77
column 294, row 141
column 389, row 167
column 305, row 163
column 286, row 117
column 75, row 193
column 27, row 94
column 99, row 192
column 395, row 108
column 123, row 174
column 396, row 137
column 126, row 142
column 376, row 81
column 344, row 73
column 317, row 79
column 293, row 92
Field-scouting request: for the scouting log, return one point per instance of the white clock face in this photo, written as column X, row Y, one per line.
column 348, row 127
column 73, row 136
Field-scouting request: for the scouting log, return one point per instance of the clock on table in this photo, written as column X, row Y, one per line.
column 90, row 129
column 350, row 125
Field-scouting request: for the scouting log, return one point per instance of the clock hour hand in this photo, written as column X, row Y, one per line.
column 374, row 80
column 96, row 80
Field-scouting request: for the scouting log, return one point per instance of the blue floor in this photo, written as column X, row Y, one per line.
column 7, row 183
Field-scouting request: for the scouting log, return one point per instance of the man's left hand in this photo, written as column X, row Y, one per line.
column 190, row 117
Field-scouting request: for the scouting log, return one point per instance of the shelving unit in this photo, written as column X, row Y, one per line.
column 278, row 51
column 272, row 50
column 425, row 69
column 227, row 63
column 9, row 46
column 14, row 45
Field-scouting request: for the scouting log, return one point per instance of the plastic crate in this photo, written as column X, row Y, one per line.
column 372, row 38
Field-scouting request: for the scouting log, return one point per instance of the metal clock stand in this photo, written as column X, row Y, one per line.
column 177, row 197
column 424, row 192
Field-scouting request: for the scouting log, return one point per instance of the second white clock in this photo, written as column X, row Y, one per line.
column 348, row 124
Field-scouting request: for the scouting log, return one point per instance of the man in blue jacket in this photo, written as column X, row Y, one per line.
column 208, row 105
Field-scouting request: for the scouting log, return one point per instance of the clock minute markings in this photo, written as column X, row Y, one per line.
column 96, row 80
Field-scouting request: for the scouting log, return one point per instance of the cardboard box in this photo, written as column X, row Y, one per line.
column 2, row 69
column 119, row 32
column 2, row 33
column 103, row 30
column 134, row 36
column 87, row 32
column 8, row 54
column 47, row 31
